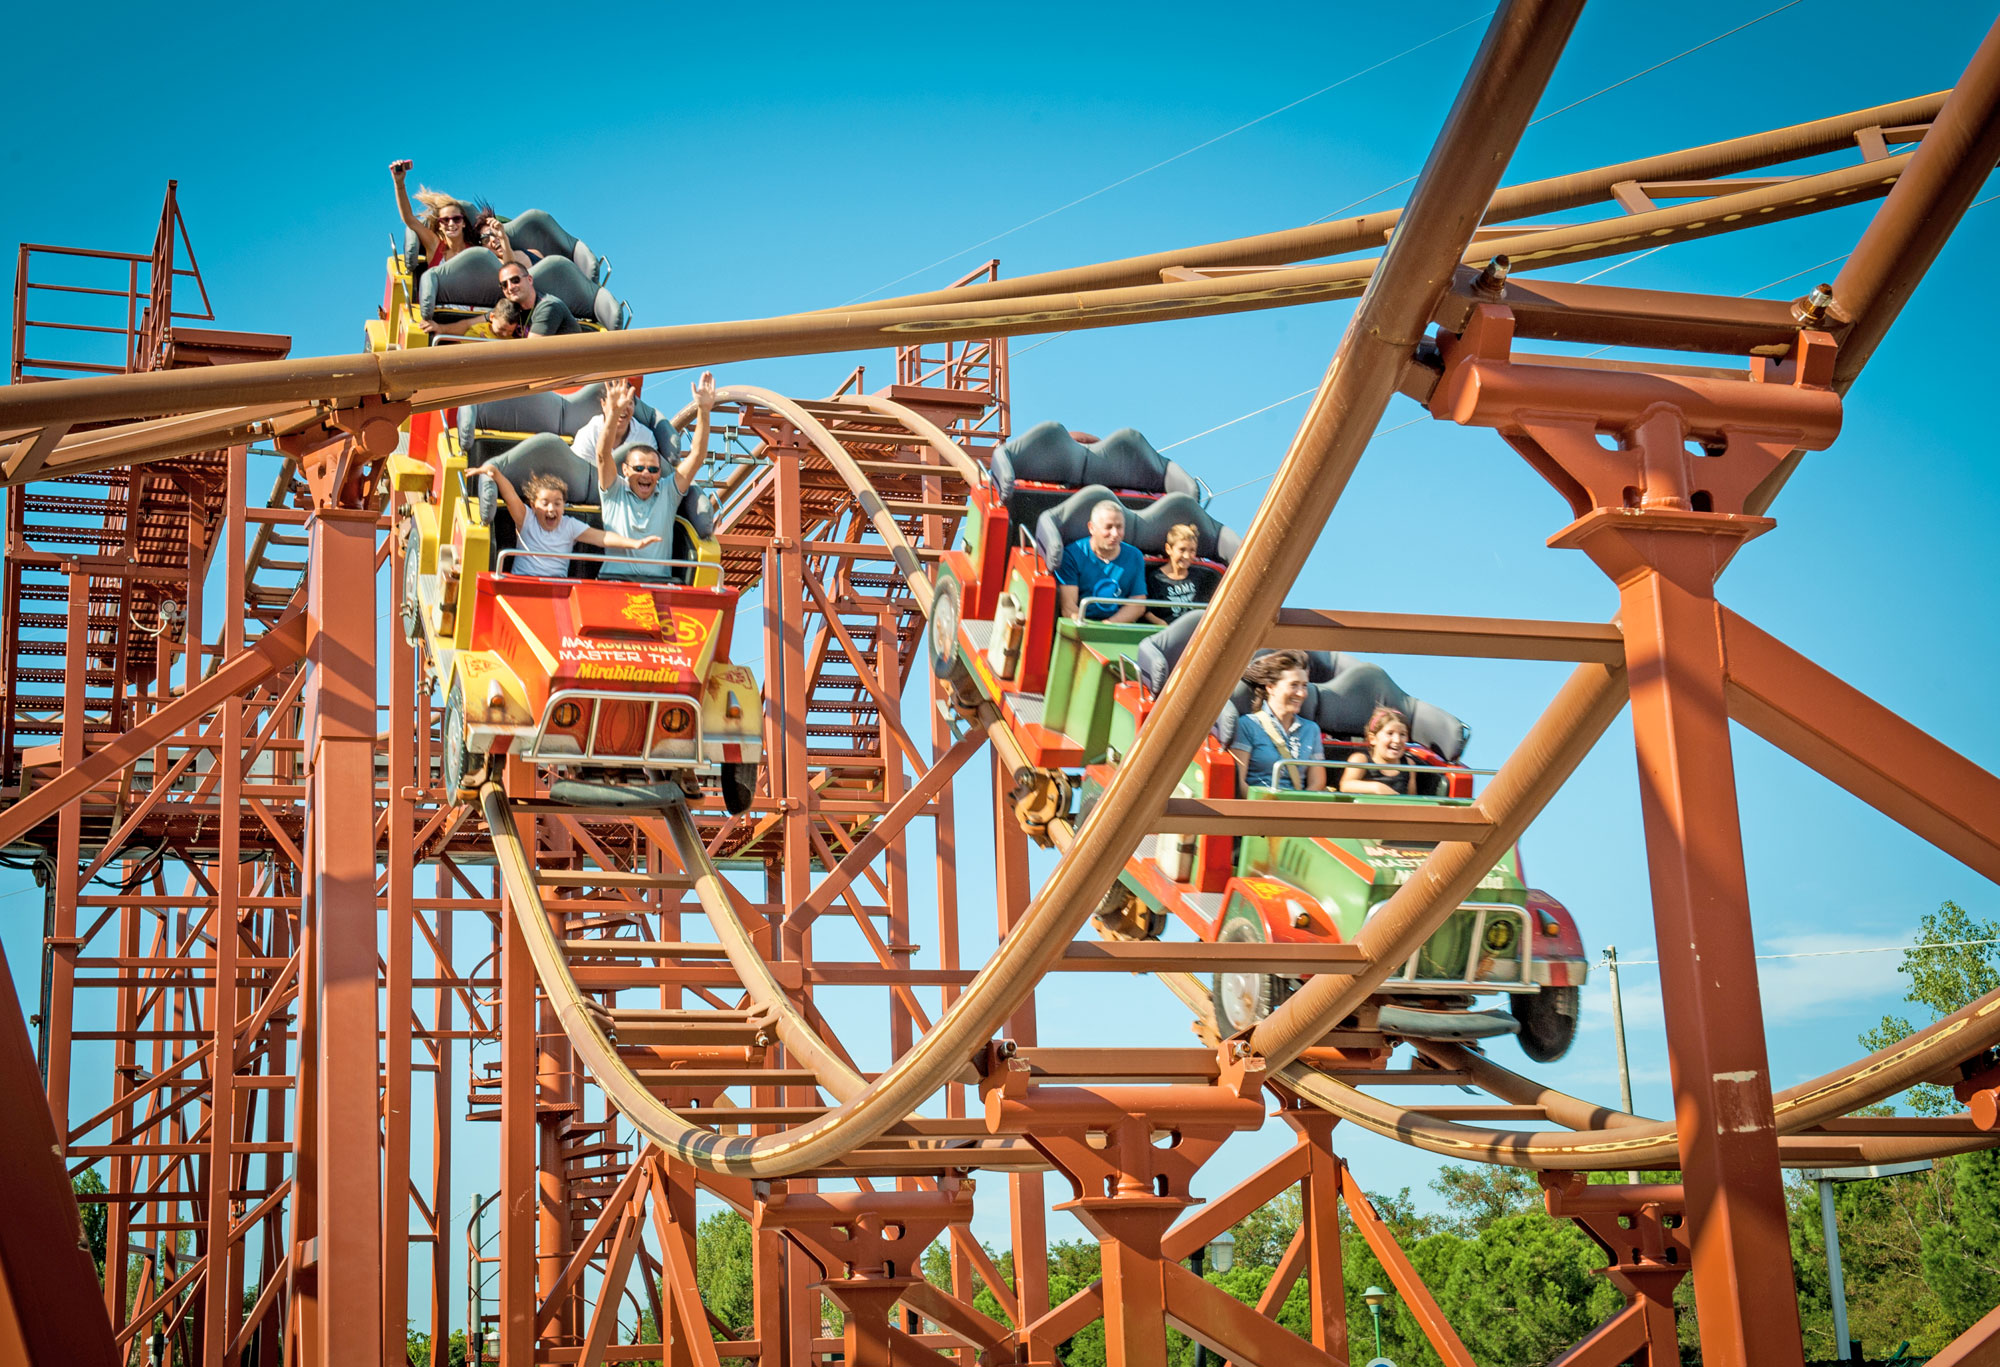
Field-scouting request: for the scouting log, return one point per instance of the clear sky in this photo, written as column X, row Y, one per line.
column 733, row 166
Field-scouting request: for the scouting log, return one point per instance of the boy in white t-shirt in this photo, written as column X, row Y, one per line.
column 542, row 532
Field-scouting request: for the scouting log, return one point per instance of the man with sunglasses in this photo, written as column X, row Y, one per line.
column 548, row 316
column 631, row 494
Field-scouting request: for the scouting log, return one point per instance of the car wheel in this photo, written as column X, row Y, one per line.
column 412, row 605
column 1243, row 999
column 458, row 759
column 739, row 787
column 1548, row 1021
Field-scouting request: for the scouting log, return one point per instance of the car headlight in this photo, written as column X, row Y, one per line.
column 1500, row 934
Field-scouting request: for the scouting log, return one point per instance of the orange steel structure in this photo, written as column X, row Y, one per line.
column 270, row 926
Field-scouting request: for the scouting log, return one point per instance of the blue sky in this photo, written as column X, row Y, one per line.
column 807, row 158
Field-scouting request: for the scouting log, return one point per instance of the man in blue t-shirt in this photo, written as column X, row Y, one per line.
column 1102, row 566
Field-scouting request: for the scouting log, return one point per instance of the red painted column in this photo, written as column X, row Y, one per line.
column 341, row 744
column 223, row 1308
column 398, row 997
column 1026, row 1191
column 519, row 1132
column 60, row 994
column 1701, row 915
column 1320, row 1214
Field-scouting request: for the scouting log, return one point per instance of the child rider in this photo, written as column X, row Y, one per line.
column 546, row 538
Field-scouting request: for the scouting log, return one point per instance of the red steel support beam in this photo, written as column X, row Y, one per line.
column 341, row 746
column 60, row 952
column 1978, row 1346
column 279, row 649
column 223, row 1306
column 1027, row 1192
column 1708, row 967
column 50, row 1310
column 399, row 998
column 1849, row 738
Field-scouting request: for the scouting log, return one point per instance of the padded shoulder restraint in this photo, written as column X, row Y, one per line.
column 470, row 280
column 1069, row 521
column 1147, row 528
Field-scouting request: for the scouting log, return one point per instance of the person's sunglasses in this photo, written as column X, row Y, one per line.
column 642, row 469
column 512, row 279
column 451, row 218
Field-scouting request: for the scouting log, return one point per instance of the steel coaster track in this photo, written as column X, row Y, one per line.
column 1594, row 1137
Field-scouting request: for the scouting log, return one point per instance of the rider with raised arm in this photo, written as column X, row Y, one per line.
column 614, row 426
column 631, row 500
column 445, row 229
column 544, row 532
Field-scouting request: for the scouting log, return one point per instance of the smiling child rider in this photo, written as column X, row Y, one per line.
column 543, row 532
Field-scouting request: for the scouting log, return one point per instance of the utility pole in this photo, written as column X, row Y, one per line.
column 1618, row 1034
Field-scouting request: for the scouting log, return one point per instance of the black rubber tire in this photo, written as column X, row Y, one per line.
column 458, row 761
column 1548, row 1021
column 1243, row 999
column 739, row 787
column 413, row 547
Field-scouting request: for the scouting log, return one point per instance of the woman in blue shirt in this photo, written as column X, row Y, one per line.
column 1274, row 731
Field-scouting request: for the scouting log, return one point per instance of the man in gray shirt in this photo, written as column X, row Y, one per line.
column 548, row 316
column 629, row 491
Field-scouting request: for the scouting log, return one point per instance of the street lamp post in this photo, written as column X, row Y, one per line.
column 1222, row 1252
column 1376, row 1296
column 1825, row 1178
column 1219, row 1255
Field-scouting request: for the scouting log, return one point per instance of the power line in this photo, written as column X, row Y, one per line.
column 1585, row 100
column 1127, row 180
column 1290, row 398
column 1261, row 478
column 1835, row 953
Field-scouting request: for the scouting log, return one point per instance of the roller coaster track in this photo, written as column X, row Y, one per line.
column 875, row 480
column 1815, row 1117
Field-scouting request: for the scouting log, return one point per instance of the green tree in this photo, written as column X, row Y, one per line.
column 1948, row 969
column 724, row 1247
column 88, row 1183
column 1526, row 1289
column 1265, row 1234
column 1961, row 1257
column 1479, row 1195
column 1920, row 1254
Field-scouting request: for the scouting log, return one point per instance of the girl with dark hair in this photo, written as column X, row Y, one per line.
column 491, row 230
column 1388, row 737
column 1273, row 731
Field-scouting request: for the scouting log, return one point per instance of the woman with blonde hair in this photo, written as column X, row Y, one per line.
column 1170, row 588
column 445, row 230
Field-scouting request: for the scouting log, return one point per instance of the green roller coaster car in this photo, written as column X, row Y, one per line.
column 1074, row 694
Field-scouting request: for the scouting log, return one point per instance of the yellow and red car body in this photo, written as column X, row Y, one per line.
column 605, row 674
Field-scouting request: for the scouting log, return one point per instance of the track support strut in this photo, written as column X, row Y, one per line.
column 1661, row 513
